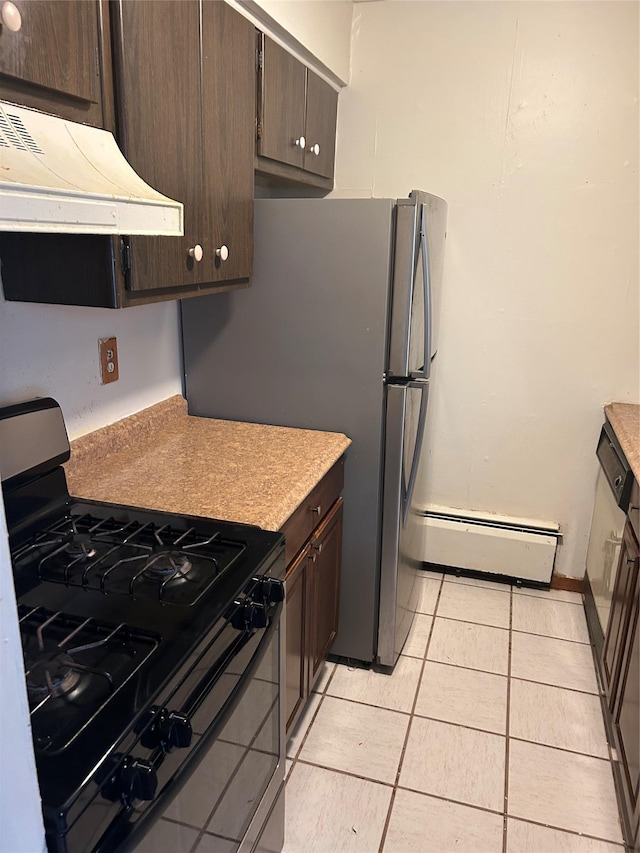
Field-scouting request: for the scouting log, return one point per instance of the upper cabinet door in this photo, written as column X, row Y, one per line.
column 160, row 130
column 228, row 116
column 282, row 135
column 320, row 126
column 51, row 60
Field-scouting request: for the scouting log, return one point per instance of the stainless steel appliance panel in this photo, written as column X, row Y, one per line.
column 401, row 529
column 306, row 346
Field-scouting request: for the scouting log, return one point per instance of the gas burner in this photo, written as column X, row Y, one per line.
column 74, row 668
column 81, row 547
column 168, row 565
column 53, row 675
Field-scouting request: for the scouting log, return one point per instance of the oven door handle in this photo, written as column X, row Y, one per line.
column 217, row 669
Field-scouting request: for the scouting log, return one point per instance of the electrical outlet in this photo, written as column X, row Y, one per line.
column 108, row 348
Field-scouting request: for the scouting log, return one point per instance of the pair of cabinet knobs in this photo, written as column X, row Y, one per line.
column 11, row 17
column 197, row 253
column 314, row 149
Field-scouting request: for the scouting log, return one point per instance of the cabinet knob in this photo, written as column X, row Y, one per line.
column 301, row 142
column 315, row 149
column 11, row 17
column 222, row 252
column 317, row 510
column 196, row 252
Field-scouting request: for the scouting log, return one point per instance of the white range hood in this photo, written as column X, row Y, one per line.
column 58, row 176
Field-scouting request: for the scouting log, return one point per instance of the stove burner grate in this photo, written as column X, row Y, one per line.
column 73, row 668
column 174, row 566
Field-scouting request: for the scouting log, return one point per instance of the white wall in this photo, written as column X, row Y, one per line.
column 52, row 350
column 322, row 26
column 524, row 116
column 21, row 829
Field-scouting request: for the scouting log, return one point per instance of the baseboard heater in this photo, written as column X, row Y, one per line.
column 495, row 544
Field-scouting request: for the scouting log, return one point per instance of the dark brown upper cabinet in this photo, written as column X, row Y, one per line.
column 297, row 113
column 51, row 57
column 186, row 101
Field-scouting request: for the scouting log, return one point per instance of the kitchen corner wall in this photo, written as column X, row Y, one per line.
column 52, row 351
column 322, row 26
column 524, row 116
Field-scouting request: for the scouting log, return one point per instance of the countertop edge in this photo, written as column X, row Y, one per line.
column 625, row 420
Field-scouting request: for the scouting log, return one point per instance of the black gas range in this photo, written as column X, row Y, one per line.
column 143, row 634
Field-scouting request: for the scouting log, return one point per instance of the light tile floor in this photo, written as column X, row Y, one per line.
column 487, row 738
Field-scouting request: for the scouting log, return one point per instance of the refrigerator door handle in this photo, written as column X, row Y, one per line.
column 425, row 371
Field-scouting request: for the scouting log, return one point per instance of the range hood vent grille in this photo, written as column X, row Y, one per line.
column 13, row 134
column 58, row 176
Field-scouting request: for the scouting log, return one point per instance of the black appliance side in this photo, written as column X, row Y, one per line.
column 306, row 347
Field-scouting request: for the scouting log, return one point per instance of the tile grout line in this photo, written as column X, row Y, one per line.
column 443, row 799
column 411, row 717
column 515, row 630
column 412, row 714
column 507, row 731
column 503, row 675
column 457, row 725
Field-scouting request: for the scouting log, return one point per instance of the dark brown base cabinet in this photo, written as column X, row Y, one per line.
column 312, row 588
column 620, row 671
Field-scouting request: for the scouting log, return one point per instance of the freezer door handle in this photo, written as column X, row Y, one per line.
column 425, row 370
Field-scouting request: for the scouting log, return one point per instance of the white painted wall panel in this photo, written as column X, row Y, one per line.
column 52, row 351
column 524, row 116
column 323, row 26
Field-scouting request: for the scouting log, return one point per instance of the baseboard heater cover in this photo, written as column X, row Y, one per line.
column 498, row 545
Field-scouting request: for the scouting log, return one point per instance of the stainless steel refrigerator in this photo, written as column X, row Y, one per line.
column 339, row 332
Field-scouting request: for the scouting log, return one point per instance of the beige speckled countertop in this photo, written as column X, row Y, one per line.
column 164, row 459
column 625, row 420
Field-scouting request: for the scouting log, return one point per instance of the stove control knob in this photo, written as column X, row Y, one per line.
column 250, row 616
column 270, row 590
column 177, row 728
column 167, row 730
column 138, row 780
column 258, row 615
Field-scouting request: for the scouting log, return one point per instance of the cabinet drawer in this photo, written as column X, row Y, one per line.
column 634, row 509
column 300, row 525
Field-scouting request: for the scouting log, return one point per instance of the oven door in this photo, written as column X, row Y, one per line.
column 216, row 791
column 231, row 792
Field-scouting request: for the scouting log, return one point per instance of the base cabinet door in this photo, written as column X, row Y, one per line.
column 313, row 549
column 625, row 699
column 614, row 641
column 296, row 664
column 324, row 588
